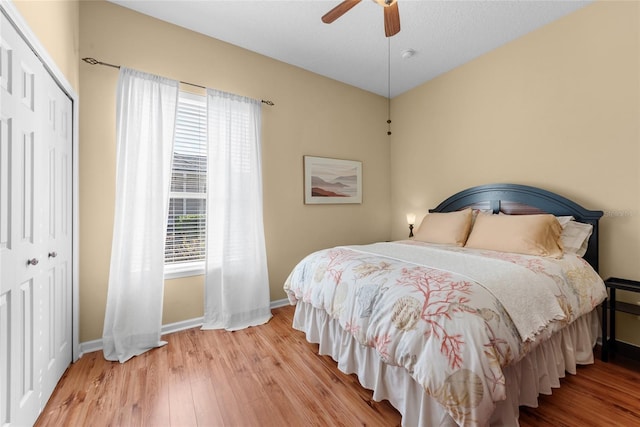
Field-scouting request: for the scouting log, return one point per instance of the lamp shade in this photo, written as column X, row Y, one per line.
column 411, row 218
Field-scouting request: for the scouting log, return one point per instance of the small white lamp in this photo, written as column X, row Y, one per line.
column 411, row 219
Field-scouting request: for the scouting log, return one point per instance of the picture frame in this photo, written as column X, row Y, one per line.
column 332, row 181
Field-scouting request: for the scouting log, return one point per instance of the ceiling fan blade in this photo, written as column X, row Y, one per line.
column 339, row 10
column 391, row 20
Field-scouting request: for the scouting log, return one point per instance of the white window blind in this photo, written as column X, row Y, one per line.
column 186, row 223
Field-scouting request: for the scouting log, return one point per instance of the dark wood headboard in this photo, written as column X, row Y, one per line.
column 516, row 199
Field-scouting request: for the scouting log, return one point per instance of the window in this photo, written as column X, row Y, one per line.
column 186, row 223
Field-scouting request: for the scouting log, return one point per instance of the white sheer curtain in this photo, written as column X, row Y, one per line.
column 237, row 281
column 145, row 119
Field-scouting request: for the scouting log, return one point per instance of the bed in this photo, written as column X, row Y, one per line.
column 458, row 330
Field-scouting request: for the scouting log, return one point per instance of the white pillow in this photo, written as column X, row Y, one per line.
column 575, row 237
column 564, row 220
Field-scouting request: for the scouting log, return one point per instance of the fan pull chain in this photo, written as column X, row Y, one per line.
column 389, row 86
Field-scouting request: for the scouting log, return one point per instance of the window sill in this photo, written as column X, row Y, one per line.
column 187, row 269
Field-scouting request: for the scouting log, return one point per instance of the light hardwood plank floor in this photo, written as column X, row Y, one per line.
column 271, row 376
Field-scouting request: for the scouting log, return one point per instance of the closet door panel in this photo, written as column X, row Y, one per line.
column 7, row 274
column 57, row 235
column 20, row 253
column 35, row 231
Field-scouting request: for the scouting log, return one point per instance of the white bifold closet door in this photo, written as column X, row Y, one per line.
column 35, row 231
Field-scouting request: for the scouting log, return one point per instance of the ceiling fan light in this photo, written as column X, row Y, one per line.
column 385, row 3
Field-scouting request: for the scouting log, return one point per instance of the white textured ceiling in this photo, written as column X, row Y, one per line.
column 353, row 49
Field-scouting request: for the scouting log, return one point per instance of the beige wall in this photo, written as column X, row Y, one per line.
column 56, row 24
column 312, row 116
column 558, row 108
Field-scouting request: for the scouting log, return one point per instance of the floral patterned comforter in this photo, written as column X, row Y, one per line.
column 446, row 328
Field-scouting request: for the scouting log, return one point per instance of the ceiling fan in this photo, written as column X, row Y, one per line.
column 391, row 15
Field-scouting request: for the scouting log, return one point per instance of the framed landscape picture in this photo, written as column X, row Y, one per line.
column 329, row 181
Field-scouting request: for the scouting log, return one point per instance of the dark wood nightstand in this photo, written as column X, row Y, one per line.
column 610, row 306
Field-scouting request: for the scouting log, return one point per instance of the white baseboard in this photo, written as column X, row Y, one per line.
column 89, row 346
column 181, row 326
column 96, row 345
column 279, row 303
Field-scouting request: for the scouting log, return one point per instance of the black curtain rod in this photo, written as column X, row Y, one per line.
column 94, row 61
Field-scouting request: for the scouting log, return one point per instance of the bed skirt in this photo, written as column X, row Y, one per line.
column 537, row 373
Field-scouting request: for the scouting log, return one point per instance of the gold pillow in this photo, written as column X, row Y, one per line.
column 522, row 234
column 445, row 227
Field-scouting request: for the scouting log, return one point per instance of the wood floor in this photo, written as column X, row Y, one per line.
column 271, row 376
